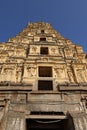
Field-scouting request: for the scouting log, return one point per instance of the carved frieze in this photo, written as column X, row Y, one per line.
column 7, row 73
column 60, row 73
column 53, row 50
column 18, row 73
column 25, row 41
column 68, row 53
column 20, row 51
column 30, row 70
column 3, row 56
column 36, row 39
column 79, row 49
column 34, row 50
column 71, row 76
column 80, row 71
column 61, row 42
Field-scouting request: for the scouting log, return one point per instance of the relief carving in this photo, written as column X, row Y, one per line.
column 81, row 73
column 61, row 42
column 25, row 41
column 44, row 59
column 7, row 73
column 18, row 74
column 36, row 39
column 2, row 59
column 68, row 52
column 33, row 50
column 60, row 72
column 1, row 74
column 71, row 76
column 61, row 52
column 20, row 52
column 54, row 50
column 31, row 71
column 3, row 56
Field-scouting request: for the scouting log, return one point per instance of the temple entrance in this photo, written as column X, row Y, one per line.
column 47, row 123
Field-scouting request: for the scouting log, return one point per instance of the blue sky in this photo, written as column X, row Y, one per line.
column 69, row 17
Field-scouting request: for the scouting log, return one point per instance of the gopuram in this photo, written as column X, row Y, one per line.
column 43, row 81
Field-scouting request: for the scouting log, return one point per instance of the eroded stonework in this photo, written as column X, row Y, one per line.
column 43, row 76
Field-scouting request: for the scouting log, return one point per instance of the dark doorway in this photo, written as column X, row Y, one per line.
column 50, row 123
column 45, row 71
column 45, row 85
column 45, row 124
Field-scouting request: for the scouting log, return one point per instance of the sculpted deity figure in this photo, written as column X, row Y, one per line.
column 34, row 49
column 80, row 71
column 70, row 75
column 68, row 52
column 53, row 50
column 61, row 52
column 60, row 72
column 80, row 75
column 18, row 76
column 31, row 71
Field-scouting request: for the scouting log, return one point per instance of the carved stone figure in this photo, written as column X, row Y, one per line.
column 71, row 77
column 53, row 50
column 34, row 50
column 18, row 74
column 68, row 52
column 60, row 72
column 80, row 75
column 32, row 72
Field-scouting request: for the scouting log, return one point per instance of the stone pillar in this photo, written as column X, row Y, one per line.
column 14, row 121
column 80, row 121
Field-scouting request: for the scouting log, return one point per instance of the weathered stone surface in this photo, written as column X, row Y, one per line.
column 43, row 73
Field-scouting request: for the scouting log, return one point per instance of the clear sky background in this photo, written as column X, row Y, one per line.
column 68, row 17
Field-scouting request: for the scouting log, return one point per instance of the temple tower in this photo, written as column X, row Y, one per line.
column 43, row 81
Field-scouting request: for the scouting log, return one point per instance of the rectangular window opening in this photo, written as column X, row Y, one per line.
column 49, row 124
column 42, row 39
column 45, row 71
column 45, row 85
column 44, row 50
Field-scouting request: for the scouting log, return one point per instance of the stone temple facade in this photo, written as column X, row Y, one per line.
column 43, row 81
